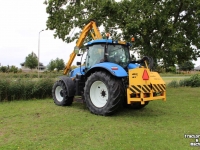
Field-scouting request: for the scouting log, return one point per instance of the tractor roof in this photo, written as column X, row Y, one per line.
column 110, row 41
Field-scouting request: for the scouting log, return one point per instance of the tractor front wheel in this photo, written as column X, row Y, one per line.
column 102, row 93
column 59, row 93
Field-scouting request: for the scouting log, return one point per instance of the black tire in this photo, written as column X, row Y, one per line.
column 59, row 93
column 102, row 93
column 138, row 105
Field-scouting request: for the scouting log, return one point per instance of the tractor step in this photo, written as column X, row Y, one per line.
column 78, row 99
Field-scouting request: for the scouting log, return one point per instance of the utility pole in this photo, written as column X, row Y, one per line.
column 39, row 51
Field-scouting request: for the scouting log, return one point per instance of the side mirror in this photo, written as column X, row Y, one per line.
column 78, row 63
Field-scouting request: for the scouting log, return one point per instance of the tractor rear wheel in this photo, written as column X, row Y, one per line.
column 59, row 93
column 102, row 93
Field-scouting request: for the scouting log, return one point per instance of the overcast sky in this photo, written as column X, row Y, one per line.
column 20, row 24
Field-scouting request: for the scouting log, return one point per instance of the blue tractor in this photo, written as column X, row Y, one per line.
column 108, row 79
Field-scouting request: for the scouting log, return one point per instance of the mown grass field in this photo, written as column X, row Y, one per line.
column 40, row 124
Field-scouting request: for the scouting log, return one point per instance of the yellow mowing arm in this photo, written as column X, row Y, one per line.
column 95, row 35
column 146, row 64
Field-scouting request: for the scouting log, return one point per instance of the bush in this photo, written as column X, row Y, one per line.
column 3, row 89
column 193, row 81
column 31, row 75
column 185, row 82
column 15, row 89
column 173, row 84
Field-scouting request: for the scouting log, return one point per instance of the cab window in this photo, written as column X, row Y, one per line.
column 95, row 55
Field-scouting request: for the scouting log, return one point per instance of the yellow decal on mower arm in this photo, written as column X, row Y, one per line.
column 145, row 86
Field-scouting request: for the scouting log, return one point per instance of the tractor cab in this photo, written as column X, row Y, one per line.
column 99, row 51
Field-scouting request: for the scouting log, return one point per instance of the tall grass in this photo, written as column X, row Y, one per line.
column 31, row 75
column 15, row 89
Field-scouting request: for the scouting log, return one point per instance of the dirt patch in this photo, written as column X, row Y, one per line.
column 1, row 133
column 37, row 115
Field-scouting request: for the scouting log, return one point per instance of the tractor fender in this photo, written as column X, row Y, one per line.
column 75, row 71
column 133, row 66
column 70, row 85
column 113, row 68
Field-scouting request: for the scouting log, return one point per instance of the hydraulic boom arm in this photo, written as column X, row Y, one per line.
column 95, row 35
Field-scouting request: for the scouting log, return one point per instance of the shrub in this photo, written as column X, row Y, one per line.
column 31, row 75
column 3, row 89
column 193, row 81
column 173, row 84
column 185, row 82
column 15, row 89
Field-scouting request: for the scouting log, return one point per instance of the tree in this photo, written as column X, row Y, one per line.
column 186, row 66
column 56, row 64
column 51, row 66
column 4, row 69
column 31, row 61
column 13, row 69
column 60, row 64
column 166, row 30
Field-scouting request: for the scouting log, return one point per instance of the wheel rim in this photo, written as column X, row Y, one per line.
column 99, row 94
column 58, row 93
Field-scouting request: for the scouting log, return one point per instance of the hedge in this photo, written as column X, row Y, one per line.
column 193, row 81
column 31, row 75
column 24, row 89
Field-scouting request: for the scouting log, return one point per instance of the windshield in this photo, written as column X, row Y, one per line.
column 118, row 54
column 95, row 55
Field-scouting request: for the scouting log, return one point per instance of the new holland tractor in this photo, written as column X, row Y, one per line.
column 108, row 79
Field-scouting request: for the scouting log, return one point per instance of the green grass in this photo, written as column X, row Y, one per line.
column 40, row 124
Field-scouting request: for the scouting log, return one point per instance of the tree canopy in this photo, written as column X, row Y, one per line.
column 57, row 64
column 186, row 66
column 165, row 30
column 31, row 61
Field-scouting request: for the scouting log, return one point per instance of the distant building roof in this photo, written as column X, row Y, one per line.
column 40, row 64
